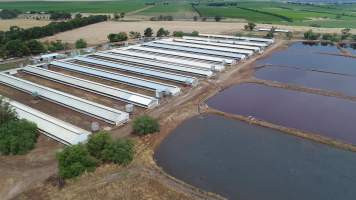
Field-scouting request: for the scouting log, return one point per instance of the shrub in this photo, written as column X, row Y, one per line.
column 144, row 125
column 120, row 151
column 74, row 161
column 35, row 47
column 134, row 34
column 17, row 137
column 97, row 143
column 217, row 18
column 80, row 44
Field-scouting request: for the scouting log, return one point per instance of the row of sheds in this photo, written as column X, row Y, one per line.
column 180, row 60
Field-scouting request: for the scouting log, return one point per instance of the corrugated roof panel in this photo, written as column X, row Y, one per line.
column 99, row 111
column 227, row 41
column 211, row 43
column 98, row 88
column 179, row 54
column 129, row 80
column 137, row 70
column 269, row 41
column 198, row 51
column 156, row 64
column 201, row 46
column 57, row 129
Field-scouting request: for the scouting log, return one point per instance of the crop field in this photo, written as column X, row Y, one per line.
column 75, row 6
column 283, row 13
column 174, row 9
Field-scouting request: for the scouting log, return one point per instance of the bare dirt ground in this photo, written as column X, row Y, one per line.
column 103, row 29
column 23, row 23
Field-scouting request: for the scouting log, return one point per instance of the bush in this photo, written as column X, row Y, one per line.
column 120, row 151
column 145, row 125
column 17, row 137
column 35, row 47
column 97, row 143
column 134, row 34
column 250, row 26
column 74, row 161
column 80, row 44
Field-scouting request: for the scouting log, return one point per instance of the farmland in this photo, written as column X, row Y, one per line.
column 276, row 12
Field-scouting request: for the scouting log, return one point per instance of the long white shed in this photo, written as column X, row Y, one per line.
column 234, row 46
column 188, row 63
column 206, row 47
column 227, row 41
column 234, row 56
column 183, row 55
column 93, row 109
column 253, row 39
column 103, row 60
column 97, row 88
column 121, row 78
column 52, row 127
column 161, row 65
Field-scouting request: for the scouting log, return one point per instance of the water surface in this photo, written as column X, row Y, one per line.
column 328, row 116
column 246, row 162
column 312, row 57
column 344, row 84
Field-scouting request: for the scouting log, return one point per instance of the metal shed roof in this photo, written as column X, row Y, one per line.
column 198, row 51
column 227, row 41
column 54, row 128
column 179, row 54
column 189, row 63
column 98, row 88
column 96, row 110
column 269, row 41
column 204, row 46
column 129, row 80
column 157, row 64
column 212, row 43
column 137, row 70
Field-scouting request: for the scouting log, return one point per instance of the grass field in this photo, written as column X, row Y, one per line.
column 75, row 6
column 275, row 12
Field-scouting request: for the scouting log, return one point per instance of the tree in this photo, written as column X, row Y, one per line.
column 310, row 35
column 97, row 143
column 217, row 18
column 120, row 152
column 195, row 18
column 178, row 34
column 7, row 113
column 75, row 160
column 289, row 35
column 80, row 44
column 17, row 137
column 16, row 48
column 250, row 26
column 162, row 32
column 270, row 33
column 145, row 124
column 122, row 15
column 148, row 32
column 122, row 36
column 35, row 47
column 203, row 19
column 116, row 16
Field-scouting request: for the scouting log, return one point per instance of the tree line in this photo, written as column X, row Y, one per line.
column 17, row 41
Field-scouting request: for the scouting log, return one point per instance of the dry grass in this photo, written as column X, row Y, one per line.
column 97, row 33
column 23, row 23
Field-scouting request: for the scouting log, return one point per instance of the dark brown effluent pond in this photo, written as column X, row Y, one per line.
column 246, row 162
column 328, row 116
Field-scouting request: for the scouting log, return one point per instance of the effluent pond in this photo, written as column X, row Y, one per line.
column 312, row 57
column 329, row 116
column 242, row 161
